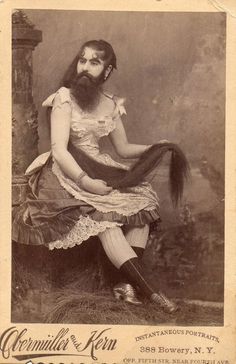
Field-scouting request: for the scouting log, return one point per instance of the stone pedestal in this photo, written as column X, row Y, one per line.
column 24, row 114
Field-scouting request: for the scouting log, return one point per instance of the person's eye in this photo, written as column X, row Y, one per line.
column 95, row 63
column 82, row 61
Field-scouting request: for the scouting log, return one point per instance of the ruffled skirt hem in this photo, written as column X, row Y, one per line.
column 72, row 228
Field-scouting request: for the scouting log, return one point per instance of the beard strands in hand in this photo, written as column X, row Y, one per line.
column 86, row 90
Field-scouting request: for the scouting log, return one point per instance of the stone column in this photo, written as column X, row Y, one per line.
column 24, row 114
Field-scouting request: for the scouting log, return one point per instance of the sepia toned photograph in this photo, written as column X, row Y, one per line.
column 118, row 167
column 117, row 182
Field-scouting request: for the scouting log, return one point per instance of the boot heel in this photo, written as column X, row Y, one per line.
column 117, row 295
column 125, row 292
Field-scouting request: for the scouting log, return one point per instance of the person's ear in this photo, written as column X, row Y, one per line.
column 108, row 71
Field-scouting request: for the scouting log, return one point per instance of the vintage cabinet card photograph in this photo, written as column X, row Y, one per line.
column 118, row 182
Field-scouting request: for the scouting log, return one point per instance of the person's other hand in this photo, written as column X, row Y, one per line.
column 96, row 186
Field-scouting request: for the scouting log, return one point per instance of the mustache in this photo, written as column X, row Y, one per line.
column 87, row 75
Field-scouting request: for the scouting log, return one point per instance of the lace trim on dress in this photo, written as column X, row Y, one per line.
column 109, row 126
column 83, row 229
column 102, row 126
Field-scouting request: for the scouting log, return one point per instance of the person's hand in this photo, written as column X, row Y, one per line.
column 96, row 186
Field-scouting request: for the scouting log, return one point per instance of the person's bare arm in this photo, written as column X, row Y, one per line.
column 123, row 148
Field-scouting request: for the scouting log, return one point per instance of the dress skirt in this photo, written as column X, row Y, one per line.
column 53, row 217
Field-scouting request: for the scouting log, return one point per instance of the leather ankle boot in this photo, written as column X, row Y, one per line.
column 126, row 293
column 134, row 273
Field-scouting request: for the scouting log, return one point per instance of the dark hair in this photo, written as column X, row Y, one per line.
column 149, row 160
column 99, row 45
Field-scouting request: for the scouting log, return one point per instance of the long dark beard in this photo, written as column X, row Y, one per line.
column 86, row 90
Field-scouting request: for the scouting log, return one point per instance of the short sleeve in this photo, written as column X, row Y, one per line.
column 57, row 99
column 119, row 107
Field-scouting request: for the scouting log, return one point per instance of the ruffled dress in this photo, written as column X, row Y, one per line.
column 60, row 214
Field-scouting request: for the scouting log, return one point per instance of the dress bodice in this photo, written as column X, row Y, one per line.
column 86, row 128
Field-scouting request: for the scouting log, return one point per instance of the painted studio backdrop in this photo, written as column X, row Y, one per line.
column 171, row 71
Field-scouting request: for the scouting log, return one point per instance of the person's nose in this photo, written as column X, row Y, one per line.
column 86, row 66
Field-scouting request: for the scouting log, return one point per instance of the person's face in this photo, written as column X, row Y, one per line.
column 90, row 63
